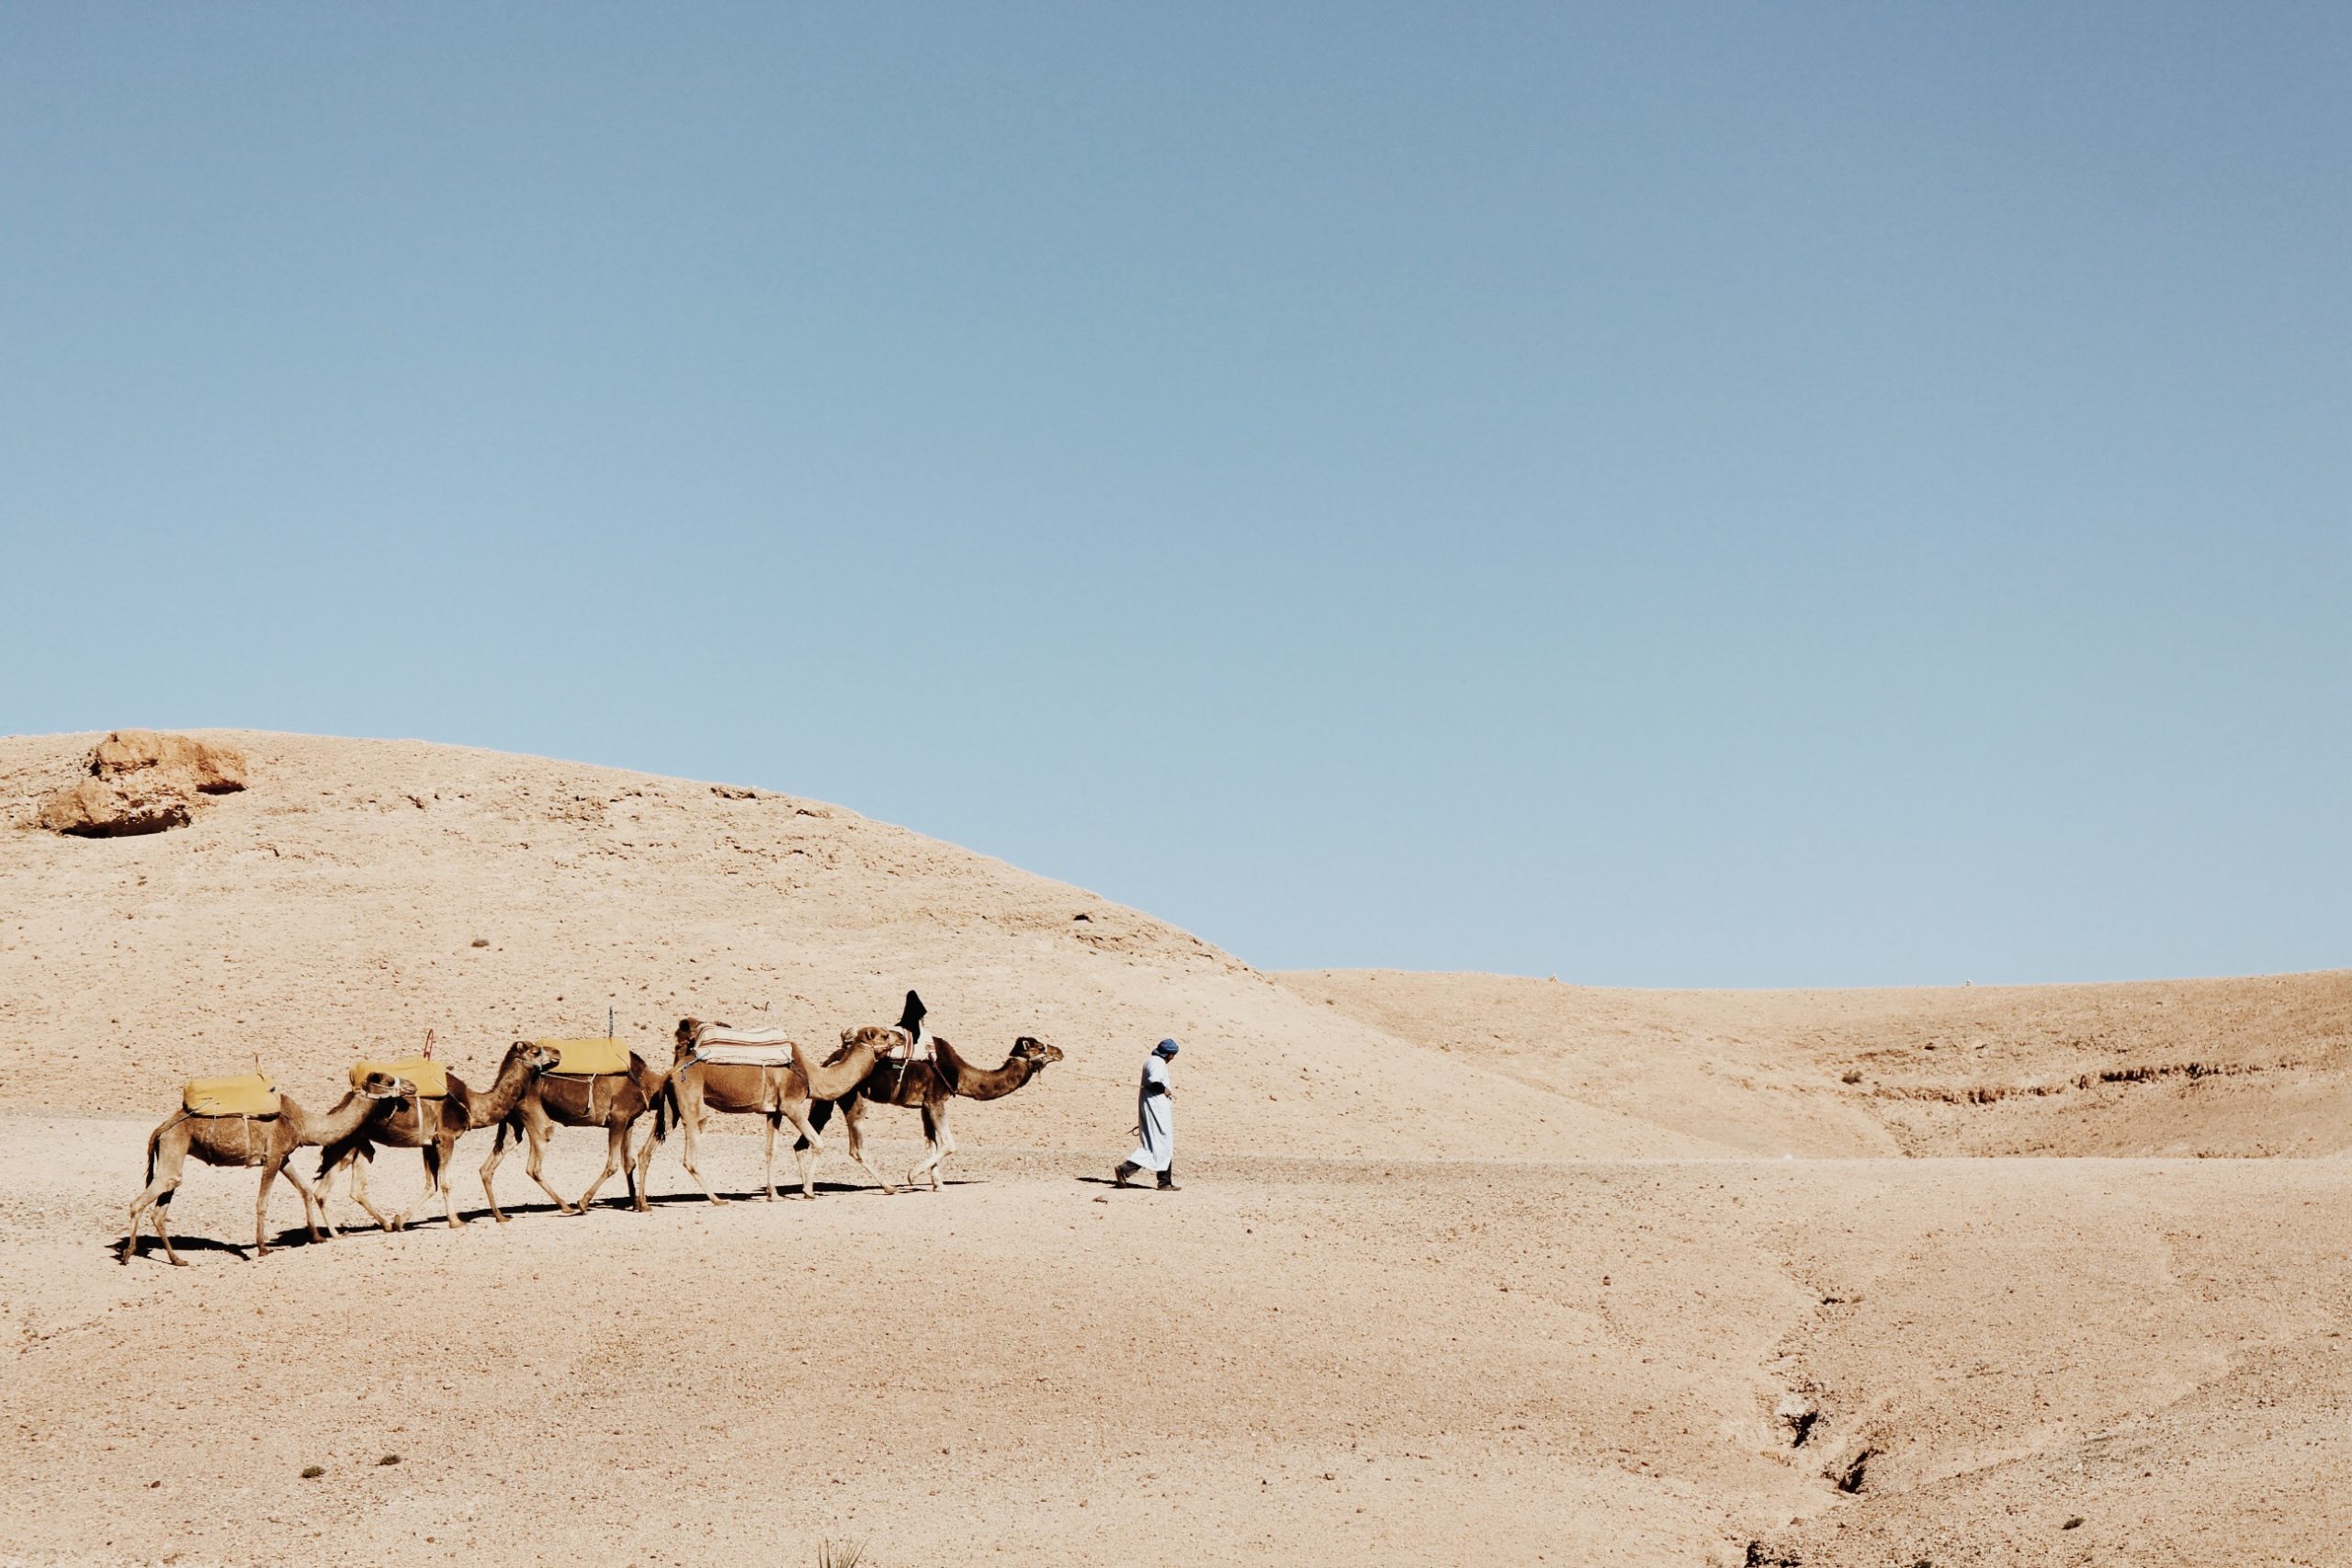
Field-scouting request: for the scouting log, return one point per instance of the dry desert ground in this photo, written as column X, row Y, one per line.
column 1467, row 1269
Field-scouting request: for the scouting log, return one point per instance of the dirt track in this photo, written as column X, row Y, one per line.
column 1288, row 1360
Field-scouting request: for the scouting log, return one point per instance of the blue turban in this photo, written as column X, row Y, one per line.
column 1165, row 1048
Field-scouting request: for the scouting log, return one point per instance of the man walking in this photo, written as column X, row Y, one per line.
column 1154, row 1123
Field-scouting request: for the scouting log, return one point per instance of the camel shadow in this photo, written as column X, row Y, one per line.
column 145, row 1245
column 784, row 1193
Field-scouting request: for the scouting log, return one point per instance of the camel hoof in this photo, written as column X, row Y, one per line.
column 177, row 1262
column 500, row 1218
column 722, row 1201
column 458, row 1224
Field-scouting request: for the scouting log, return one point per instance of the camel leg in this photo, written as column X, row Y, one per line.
column 312, row 1211
column 445, row 1155
column 399, row 1221
column 163, row 1207
column 261, row 1209
column 358, row 1168
column 767, row 1174
column 535, row 1138
column 153, row 1202
column 616, row 1158
column 946, row 1143
column 806, row 1146
column 853, row 1127
column 639, row 1192
column 935, row 1121
column 139, row 1207
column 488, row 1166
column 690, row 1144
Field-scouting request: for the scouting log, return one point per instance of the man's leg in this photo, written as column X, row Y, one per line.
column 1168, row 1178
column 1126, row 1169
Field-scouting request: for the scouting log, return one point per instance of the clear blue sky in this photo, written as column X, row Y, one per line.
column 1719, row 495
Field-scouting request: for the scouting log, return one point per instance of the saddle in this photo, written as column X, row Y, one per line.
column 589, row 1058
column 239, row 1094
column 728, row 1047
column 910, row 1048
column 430, row 1078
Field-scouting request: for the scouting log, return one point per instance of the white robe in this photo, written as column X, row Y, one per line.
column 1155, row 1119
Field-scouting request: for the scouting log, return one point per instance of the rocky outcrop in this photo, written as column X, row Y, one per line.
column 142, row 781
column 208, row 768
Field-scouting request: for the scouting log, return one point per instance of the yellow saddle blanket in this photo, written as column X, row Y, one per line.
column 430, row 1078
column 241, row 1094
column 589, row 1055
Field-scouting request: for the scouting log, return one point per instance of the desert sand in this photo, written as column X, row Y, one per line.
column 1465, row 1267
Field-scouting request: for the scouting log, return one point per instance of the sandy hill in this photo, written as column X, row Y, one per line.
column 333, row 909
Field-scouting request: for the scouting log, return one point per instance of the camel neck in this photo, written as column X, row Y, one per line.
column 505, row 1090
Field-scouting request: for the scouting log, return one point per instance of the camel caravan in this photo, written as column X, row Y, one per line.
column 417, row 1103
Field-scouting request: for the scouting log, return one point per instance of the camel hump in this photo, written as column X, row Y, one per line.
column 430, row 1078
column 588, row 1057
column 237, row 1094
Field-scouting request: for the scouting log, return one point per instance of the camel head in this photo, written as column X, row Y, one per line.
column 535, row 1057
column 384, row 1086
column 1036, row 1052
column 882, row 1037
column 687, row 1028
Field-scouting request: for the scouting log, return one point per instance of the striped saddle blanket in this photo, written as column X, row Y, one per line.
column 722, row 1046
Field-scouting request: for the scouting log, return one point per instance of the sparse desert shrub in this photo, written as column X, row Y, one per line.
column 1853, row 1074
column 840, row 1553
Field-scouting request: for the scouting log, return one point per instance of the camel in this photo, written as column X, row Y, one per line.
column 432, row 1127
column 933, row 1087
column 268, row 1142
column 779, row 1093
column 611, row 1100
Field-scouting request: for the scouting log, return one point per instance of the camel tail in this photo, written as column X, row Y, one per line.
column 154, row 1144
column 665, row 1107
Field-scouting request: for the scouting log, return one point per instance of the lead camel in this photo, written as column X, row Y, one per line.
column 933, row 1088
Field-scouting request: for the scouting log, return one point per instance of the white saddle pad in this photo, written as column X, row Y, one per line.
column 744, row 1048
